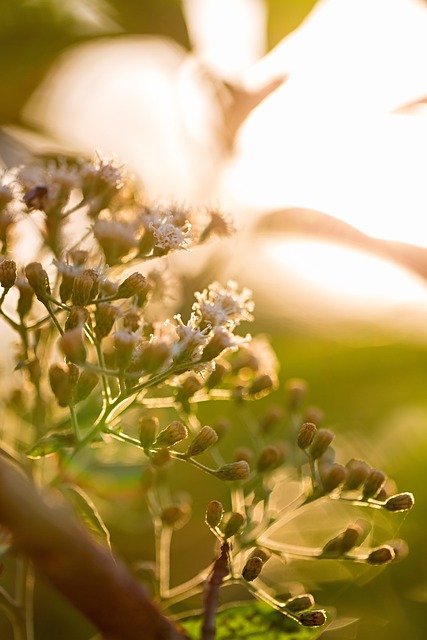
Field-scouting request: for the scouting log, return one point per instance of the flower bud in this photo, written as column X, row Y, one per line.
column 214, row 513
column 314, row 618
column 268, row 459
column 218, row 374
column 306, row 435
column 60, row 384
column 296, row 390
column 105, row 316
column 259, row 552
column 321, row 442
column 77, row 317
column 7, row 274
column 343, row 542
column 272, row 416
column 85, row 287
column 300, row 603
column 174, row 432
column 176, row 515
column 358, row 471
column 243, row 453
column 26, row 295
column 252, row 568
column 332, row 476
column 400, row 548
column 234, row 524
column 79, row 257
column 135, row 285
column 161, row 457
column 234, row 471
column 72, row 345
column 221, row 426
column 152, row 356
column 124, row 343
column 148, row 426
column 381, row 555
column 202, row 441
column 131, row 321
column 38, row 279
column 314, row 414
column 85, row 385
column 188, row 388
column 400, row 502
column 261, row 385
column 373, row 483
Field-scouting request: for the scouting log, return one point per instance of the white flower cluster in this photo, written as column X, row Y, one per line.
column 219, row 306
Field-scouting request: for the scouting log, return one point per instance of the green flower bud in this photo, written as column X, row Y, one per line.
column 234, row 524
column 306, row 435
column 234, row 471
column 148, row 426
column 321, row 442
column 373, row 483
column 174, row 432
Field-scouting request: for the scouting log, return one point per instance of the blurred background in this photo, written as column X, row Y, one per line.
column 307, row 122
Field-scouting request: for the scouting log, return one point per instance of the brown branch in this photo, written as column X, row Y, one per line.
column 86, row 573
column 220, row 570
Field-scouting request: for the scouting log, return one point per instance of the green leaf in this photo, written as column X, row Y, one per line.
column 87, row 512
column 51, row 443
column 252, row 621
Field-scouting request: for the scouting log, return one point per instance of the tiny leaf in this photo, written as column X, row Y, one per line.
column 87, row 512
column 51, row 443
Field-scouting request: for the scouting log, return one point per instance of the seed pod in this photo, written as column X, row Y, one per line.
column 300, row 603
column 381, row 555
column 306, row 435
column 205, row 439
column 105, row 316
column 268, row 459
column 358, row 471
column 252, row 568
column 38, row 279
column 314, row 618
column 85, row 385
column 234, row 471
column 234, row 524
column 148, row 426
column 7, row 274
column 373, row 483
column 400, row 502
column 174, row 432
column 214, row 513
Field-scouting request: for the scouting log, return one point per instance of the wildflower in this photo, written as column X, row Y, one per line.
column 190, row 340
column 220, row 340
column 85, row 287
column 221, row 306
column 202, row 441
column 218, row 225
column 169, row 235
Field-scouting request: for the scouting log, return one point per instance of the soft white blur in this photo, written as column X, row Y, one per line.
column 337, row 136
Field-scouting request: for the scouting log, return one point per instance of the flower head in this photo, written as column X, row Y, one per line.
column 224, row 306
